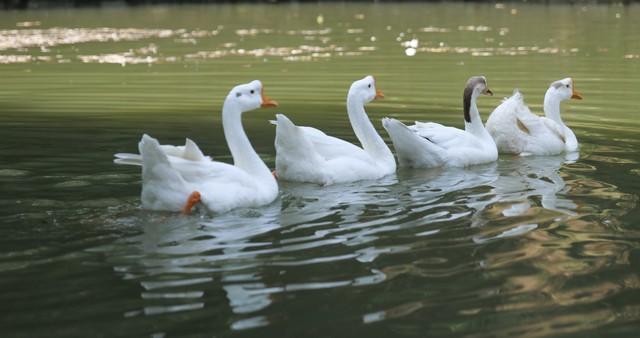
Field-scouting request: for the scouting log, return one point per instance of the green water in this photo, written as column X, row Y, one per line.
column 528, row 247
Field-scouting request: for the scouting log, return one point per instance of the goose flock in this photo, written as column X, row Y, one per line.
column 176, row 178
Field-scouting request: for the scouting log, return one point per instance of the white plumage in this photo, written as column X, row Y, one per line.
column 171, row 174
column 306, row 154
column 516, row 130
column 427, row 145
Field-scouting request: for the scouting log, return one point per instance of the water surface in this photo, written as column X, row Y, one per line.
column 531, row 247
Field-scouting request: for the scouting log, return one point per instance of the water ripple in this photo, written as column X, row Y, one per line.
column 527, row 246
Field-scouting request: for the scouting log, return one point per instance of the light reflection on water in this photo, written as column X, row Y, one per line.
column 24, row 37
column 178, row 260
column 527, row 246
column 44, row 40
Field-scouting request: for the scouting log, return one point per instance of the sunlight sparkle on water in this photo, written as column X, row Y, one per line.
column 26, row 38
column 544, row 240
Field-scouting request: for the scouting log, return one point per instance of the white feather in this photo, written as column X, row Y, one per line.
column 306, row 154
column 517, row 130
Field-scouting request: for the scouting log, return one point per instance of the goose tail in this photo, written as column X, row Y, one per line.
column 163, row 188
column 411, row 149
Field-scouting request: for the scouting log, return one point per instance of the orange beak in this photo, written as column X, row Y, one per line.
column 267, row 102
column 576, row 95
column 379, row 94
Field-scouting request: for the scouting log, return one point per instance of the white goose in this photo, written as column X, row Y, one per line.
column 306, row 154
column 427, row 145
column 177, row 178
column 517, row 130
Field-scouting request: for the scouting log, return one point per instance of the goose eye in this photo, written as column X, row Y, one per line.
column 369, row 85
column 567, row 86
column 252, row 91
column 238, row 94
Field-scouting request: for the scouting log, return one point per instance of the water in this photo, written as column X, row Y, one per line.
column 535, row 247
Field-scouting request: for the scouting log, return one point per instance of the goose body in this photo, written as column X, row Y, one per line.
column 306, row 154
column 175, row 178
column 428, row 145
column 516, row 130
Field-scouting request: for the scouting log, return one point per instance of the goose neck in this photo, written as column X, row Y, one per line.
column 366, row 133
column 472, row 121
column 552, row 106
column 244, row 156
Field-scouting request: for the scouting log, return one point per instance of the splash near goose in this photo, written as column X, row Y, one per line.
column 516, row 130
column 306, row 154
column 176, row 178
column 428, row 145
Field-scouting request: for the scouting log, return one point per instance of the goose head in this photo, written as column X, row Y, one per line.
column 564, row 90
column 365, row 89
column 250, row 96
column 476, row 85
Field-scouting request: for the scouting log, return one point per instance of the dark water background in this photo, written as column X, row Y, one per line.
column 528, row 247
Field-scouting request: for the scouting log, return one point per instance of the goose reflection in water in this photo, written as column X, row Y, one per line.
column 255, row 255
column 176, row 258
column 530, row 193
column 528, row 188
column 361, row 211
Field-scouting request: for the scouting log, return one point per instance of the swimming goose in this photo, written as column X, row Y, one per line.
column 427, row 145
column 306, row 154
column 517, row 130
column 177, row 178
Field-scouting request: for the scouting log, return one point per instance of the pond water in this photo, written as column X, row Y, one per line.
column 530, row 247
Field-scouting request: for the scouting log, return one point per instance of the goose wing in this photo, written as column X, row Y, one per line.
column 446, row 137
column 330, row 147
